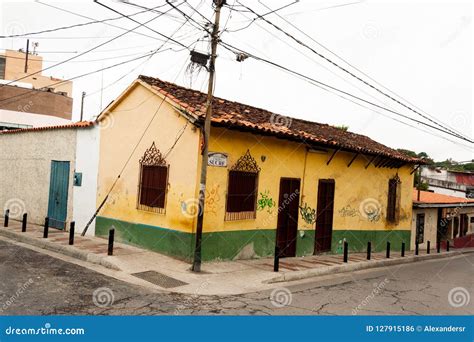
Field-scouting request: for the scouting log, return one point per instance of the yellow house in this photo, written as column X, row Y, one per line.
column 272, row 179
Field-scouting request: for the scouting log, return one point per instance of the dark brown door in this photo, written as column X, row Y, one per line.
column 325, row 213
column 287, row 225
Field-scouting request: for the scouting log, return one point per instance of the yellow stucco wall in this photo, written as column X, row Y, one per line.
column 120, row 132
column 355, row 187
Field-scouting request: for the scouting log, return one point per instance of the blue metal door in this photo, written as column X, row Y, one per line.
column 58, row 193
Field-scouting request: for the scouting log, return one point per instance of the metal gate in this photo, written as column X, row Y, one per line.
column 58, row 194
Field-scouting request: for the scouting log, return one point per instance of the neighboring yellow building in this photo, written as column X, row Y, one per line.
column 306, row 185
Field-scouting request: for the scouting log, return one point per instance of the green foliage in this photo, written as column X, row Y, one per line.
column 343, row 127
column 469, row 167
column 453, row 165
column 448, row 164
column 422, row 155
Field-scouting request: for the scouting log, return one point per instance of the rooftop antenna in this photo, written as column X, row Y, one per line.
column 35, row 45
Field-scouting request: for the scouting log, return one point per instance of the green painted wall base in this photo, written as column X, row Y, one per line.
column 357, row 240
column 166, row 241
column 242, row 244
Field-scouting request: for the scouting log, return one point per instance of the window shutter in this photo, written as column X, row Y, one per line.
column 392, row 200
column 242, row 189
column 153, row 181
column 241, row 192
column 153, row 186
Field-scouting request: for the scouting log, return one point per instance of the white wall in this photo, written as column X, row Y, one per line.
column 30, row 119
column 431, row 221
column 25, row 168
column 449, row 192
column 431, row 224
column 87, row 162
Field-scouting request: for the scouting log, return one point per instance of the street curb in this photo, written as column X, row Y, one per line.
column 363, row 265
column 62, row 249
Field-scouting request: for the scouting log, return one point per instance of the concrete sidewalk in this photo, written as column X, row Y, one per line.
column 217, row 278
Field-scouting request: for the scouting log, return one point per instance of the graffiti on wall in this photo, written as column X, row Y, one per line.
column 369, row 209
column 265, row 201
column 190, row 207
column 308, row 214
column 212, row 199
column 348, row 211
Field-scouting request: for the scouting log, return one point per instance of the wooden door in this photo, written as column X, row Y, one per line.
column 287, row 225
column 324, row 215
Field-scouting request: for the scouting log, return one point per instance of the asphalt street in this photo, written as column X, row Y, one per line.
column 34, row 283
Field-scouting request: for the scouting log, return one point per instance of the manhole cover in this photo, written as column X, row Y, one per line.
column 159, row 279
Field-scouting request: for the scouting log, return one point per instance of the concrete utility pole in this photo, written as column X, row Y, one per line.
column 82, row 105
column 207, row 129
column 26, row 55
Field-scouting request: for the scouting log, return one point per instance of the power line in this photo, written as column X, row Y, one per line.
column 351, row 65
column 345, row 80
column 88, row 60
column 323, row 66
column 131, row 155
column 79, row 76
column 387, row 116
column 139, row 65
column 83, row 53
column 142, row 24
column 69, row 27
column 234, row 49
column 205, row 28
column 254, row 19
column 325, row 8
column 105, row 23
column 196, row 10
column 349, row 72
column 373, row 110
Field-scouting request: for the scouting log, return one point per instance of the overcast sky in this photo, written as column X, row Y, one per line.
column 421, row 50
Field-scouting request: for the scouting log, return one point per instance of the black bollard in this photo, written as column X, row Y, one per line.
column 276, row 260
column 346, row 251
column 7, row 216
column 369, row 249
column 46, row 227
column 417, row 247
column 387, row 254
column 438, row 247
column 403, row 249
column 72, row 227
column 447, row 245
column 111, row 242
column 428, row 251
column 23, row 222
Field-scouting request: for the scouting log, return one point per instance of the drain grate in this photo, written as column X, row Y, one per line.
column 159, row 279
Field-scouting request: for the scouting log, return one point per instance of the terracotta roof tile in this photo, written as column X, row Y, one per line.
column 434, row 198
column 80, row 124
column 238, row 115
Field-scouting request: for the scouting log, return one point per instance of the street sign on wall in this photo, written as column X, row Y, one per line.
column 217, row 159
